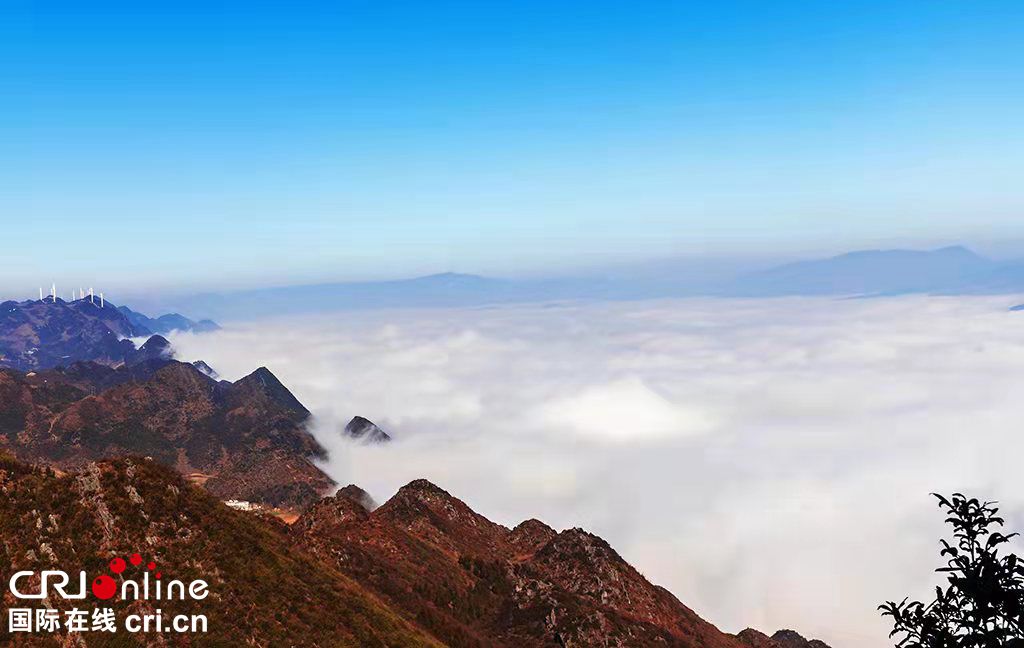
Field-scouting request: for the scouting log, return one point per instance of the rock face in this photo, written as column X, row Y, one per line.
column 471, row 582
column 263, row 592
column 245, row 440
column 168, row 323
column 365, row 430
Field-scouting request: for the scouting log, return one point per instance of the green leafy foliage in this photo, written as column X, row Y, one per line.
column 982, row 606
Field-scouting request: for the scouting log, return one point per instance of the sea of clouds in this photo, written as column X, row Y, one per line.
column 768, row 461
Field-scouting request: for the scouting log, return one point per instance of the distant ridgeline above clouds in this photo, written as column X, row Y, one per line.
column 168, row 323
column 52, row 332
column 948, row 271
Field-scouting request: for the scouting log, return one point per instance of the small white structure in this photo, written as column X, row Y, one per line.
column 241, row 505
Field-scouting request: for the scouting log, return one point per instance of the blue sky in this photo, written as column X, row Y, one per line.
column 197, row 144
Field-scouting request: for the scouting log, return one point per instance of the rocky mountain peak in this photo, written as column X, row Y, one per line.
column 781, row 639
column 154, row 348
column 793, row 639
column 363, row 429
column 531, row 535
column 425, row 487
column 332, row 512
column 263, row 383
column 359, row 496
column 206, row 369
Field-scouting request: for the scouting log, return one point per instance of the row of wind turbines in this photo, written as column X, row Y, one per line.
column 82, row 294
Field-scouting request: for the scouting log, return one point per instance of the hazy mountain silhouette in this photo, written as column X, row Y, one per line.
column 952, row 270
column 873, row 272
column 168, row 323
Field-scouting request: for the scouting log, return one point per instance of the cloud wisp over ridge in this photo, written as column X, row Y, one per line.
column 769, row 461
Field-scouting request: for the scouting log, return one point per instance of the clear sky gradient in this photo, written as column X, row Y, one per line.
column 201, row 143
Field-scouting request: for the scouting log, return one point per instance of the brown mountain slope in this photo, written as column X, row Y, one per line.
column 423, row 569
column 475, row 583
column 244, row 440
column 262, row 592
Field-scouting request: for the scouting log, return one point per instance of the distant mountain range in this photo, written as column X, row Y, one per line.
column 169, row 323
column 877, row 272
column 946, row 271
column 46, row 333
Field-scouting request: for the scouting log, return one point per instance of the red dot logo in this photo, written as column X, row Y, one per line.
column 117, row 565
column 136, row 559
column 104, row 587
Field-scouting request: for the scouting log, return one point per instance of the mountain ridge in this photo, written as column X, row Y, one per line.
column 245, row 440
column 168, row 323
column 329, row 579
column 472, row 582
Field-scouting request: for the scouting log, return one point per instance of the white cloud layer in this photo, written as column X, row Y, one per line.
column 767, row 461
